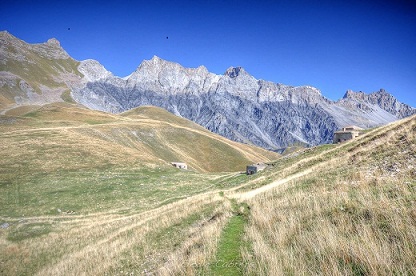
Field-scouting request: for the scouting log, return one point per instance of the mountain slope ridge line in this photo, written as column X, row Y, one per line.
column 387, row 130
column 229, row 104
column 236, row 101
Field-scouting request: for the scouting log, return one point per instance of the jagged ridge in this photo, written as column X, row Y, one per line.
column 240, row 107
column 235, row 105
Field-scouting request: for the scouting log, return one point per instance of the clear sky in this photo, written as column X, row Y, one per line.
column 332, row 45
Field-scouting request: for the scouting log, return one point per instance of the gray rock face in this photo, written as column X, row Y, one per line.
column 236, row 105
column 382, row 99
column 93, row 70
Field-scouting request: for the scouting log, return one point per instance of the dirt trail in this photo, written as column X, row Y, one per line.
column 272, row 185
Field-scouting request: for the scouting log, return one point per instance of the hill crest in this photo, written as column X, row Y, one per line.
column 145, row 136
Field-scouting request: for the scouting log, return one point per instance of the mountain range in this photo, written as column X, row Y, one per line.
column 235, row 105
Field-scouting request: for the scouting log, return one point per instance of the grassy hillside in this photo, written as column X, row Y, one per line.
column 70, row 172
column 60, row 136
column 61, row 151
column 346, row 209
column 353, row 214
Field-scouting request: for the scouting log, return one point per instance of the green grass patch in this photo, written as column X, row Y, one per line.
column 30, row 230
column 66, row 97
column 106, row 188
column 32, row 114
column 94, row 122
column 231, row 181
column 228, row 260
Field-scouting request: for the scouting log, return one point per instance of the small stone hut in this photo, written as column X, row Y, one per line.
column 347, row 133
column 179, row 165
column 255, row 168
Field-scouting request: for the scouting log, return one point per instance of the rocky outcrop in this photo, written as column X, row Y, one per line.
column 22, row 51
column 238, row 106
column 34, row 73
column 382, row 99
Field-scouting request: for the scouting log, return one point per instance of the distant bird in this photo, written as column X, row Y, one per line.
column 167, row 37
column 69, row 29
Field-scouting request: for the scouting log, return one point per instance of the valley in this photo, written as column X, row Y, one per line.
column 87, row 185
column 65, row 144
column 344, row 209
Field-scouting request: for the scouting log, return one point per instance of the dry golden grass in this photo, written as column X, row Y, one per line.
column 195, row 254
column 21, row 110
column 61, row 136
column 353, row 215
column 334, row 232
column 99, row 243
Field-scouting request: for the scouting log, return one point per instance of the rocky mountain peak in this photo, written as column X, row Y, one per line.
column 6, row 35
column 160, row 75
column 156, row 59
column 348, row 94
column 202, row 69
column 311, row 90
column 53, row 42
column 354, row 95
column 154, row 64
column 380, row 99
column 51, row 49
column 93, row 70
column 234, row 72
column 375, row 96
column 363, row 96
column 382, row 94
column 8, row 39
column 13, row 48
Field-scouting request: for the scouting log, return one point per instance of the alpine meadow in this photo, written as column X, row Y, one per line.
column 179, row 171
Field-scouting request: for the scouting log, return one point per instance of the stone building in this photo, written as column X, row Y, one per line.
column 180, row 165
column 347, row 133
column 255, row 168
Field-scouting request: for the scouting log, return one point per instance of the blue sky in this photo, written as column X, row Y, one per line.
column 332, row 45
